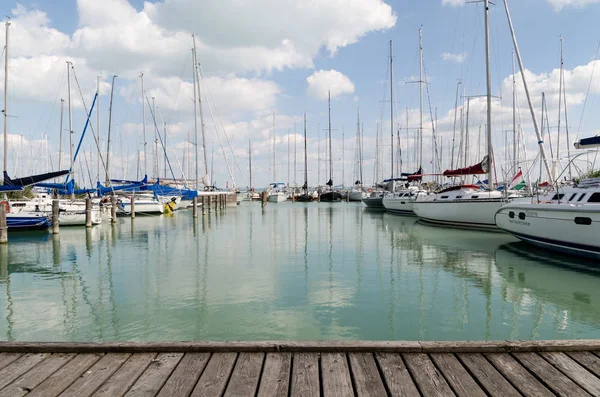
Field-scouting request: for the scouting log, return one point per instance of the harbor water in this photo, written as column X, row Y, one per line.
column 288, row 271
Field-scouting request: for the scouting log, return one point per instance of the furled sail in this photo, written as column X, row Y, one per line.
column 476, row 169
column 415, row 176
column 588, row 142
column 33, row 179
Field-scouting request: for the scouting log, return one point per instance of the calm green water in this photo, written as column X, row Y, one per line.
column 290, row 271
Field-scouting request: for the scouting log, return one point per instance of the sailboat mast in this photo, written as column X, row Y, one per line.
column 531, row 110
column 566, row 117
column 514, row 111
column 6, row 100
column 250, row 160
column 305, row 160
column 62, row 105
column 454, row 131
column 70, row 116
column 392, row 110
column 559, row 99
column 144, row 124
column 488, row 77
column 112, row 89
column 195, row 113
column 420, row 98
column 201, row 112
column 97, row 124
column 295, row 155
column 330, row 157
column 274, row 149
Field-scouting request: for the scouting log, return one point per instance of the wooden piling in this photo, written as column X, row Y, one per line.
column 3, row 226
column 88, row 212
column 293, row 196
column 113, row 209
column 203, row 205
column 348, row 196
column 195, row 207
column 217, row 202
column 55, row 221
column 209, row 202
column 132, row 206
column 318, row 197
column 264, row 197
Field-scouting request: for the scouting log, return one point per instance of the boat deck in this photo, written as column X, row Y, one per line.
column 544, row 368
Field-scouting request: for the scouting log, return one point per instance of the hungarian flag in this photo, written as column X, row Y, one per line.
column 517, row 182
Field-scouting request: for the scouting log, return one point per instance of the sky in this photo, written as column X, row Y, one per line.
column 262, row 58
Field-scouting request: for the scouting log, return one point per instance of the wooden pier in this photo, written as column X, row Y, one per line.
column 328, row 368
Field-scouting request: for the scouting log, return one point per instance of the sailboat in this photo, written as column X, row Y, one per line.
column 276, row 189
column 27, row 220
column 327, row 194
column 305, row 197
column 357, row 193
column 467, row 205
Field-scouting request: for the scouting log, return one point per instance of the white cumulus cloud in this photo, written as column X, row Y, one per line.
column 450, row 57
column 323, row 81
column 560, row 4
column 453, row 3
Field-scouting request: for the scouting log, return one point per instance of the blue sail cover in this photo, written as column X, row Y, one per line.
column 33, row 179
column 588, row 142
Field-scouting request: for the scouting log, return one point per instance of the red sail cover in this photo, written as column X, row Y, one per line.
column 476, row 169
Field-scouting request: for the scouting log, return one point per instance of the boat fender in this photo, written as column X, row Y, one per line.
column 370, row 190
column 6, row 206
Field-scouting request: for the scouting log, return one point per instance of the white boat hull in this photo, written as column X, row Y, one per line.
column 356, row 195
column 399, row 205
column 141, row 207
column 560, row 227
column 277, row 197
column 477, row 213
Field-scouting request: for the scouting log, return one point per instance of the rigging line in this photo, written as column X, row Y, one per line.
column 168, row 139
column 209, row 97
column 588, row 91
column 91, row 125
column 433, row 129
column 217, row 130
column 160, row 137
column 62, row 77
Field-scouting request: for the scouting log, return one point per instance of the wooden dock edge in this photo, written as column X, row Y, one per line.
column 305, row 346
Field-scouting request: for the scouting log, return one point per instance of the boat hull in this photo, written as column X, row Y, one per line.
column 398, row 206
column 559, row 227
column 331, row 197
column 356, row 195
column 374, row 202
column 477, row 213
column 277, row 197
column 141, row 208
column 23, row 222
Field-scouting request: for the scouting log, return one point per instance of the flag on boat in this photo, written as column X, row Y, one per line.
column 517, row 182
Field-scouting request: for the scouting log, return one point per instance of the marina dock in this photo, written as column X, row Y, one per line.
column 322, row 368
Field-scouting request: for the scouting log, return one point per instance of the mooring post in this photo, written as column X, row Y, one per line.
column 293, row 196
column 88, row 212
column 348, row 196
column 203, row 205
column 217, row 202
column 209, row 203
column 113, row 209
column 55, row 216
column 264, row 196
column 318, row 197
column 3, row 227
column 195, row 207
column 132, row 206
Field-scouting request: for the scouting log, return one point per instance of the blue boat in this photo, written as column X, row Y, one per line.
column 16, row 222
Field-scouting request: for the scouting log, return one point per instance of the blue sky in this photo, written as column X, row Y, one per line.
column 258, row 57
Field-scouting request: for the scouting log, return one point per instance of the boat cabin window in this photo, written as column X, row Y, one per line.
column 594, row 198
column 18, row 204
column 573, row 196
column 511, row 214
column 474, row 196
column 558, row 196
column 583, row 221
column 521, row 215
column 458, row 197
column 444, row 197
column 581, row 197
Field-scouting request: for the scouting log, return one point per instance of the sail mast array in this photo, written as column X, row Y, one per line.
column 488, row 77
column 392, row 109
column 5, row 112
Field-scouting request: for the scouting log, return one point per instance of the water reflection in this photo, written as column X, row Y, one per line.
column 288, row 271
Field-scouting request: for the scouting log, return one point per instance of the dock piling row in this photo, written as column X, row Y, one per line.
column 55, row 216
column 3, row 227
column 88, row 212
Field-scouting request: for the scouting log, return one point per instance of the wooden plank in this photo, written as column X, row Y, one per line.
column 335, row 375
column 396, row 375
column 7, row 358
column 429, row 380
column 35, row 376
column 66, row 375
column 576, row 372
column 550, row 376
column 215, row 376
column 488, row 376
column 456, row 375
column 18, row 367
column 184, row 377
column 588, row 360
column 155, row 376
column 126, row 376
column 93, row 378
column 275, row 379
column 518, row 375
column 245, row 376
column 366, row 376
column 305, row 375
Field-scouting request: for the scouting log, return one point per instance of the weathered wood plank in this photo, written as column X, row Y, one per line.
column 305, row 375
column 61, row 379
column 36, row 375
column 275, row 379
column 518, row 375
column 576, row 372
column 155, row 376
column 245, row 376
column 335, row 375
column 215, row 376
column 7, row 358
column 396, row 375
column 456, row 375
column 588, row 360
column 17, row 368
column 93, row 378
column 366, row 376
column 488, row 376
column 184, row 377
column 550, row 376
column 429, row 380
column 126, row 376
